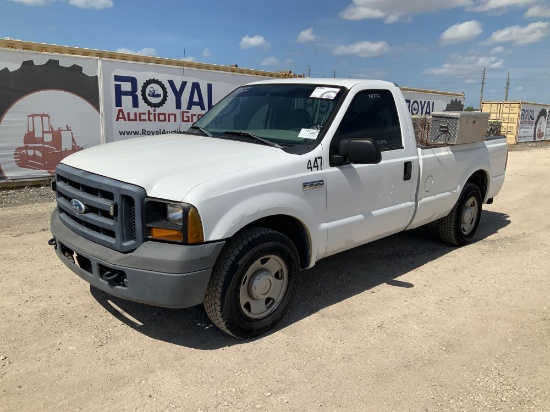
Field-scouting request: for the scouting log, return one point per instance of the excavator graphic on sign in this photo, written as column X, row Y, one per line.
column 43, row 146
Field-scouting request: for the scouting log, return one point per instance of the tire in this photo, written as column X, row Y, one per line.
column 460, row 225
column 253, row 282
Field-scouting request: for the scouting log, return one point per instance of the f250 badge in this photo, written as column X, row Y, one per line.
column 313, row 185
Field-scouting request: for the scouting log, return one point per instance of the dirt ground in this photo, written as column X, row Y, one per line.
column 404, row 324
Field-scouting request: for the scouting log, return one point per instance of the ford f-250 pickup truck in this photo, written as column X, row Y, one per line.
column 276, row 176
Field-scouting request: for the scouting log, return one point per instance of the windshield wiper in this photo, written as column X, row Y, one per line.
column 253, row 136
column 204, row 131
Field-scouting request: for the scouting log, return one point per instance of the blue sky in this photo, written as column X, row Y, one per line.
column 433, row 44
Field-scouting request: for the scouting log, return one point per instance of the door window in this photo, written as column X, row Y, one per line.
column 372, row 115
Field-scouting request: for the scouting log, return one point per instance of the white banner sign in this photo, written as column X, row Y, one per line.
column 49, row 108
column 147, row 99
column 424, row 104
column 534, row 123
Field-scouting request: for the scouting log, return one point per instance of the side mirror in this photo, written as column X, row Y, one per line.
column 360, row 151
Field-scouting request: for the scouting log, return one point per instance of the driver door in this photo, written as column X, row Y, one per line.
column 369, row 201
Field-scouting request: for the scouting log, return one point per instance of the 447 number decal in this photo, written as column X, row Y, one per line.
column 317, row 164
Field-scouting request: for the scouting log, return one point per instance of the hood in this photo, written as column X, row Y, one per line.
column 169, row 166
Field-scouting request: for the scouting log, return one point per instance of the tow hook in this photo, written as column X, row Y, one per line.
column 113, row 277
column 52, row 242
column 109, row 276
column 69, row 256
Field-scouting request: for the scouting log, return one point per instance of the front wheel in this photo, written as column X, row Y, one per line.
column 253, row 282
column 460, row 225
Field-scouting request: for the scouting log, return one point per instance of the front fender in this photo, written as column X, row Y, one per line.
column 251, row 209
column 225, row 208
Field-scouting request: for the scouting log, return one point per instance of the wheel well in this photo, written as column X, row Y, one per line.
column 291, row 228
column 480, row 179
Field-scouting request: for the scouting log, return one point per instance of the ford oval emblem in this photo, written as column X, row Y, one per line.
column 78, row 206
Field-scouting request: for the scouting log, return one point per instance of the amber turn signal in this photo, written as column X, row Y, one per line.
column 166, row 234
column 194, row 227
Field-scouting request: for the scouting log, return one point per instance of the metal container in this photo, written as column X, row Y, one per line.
column 458, row 127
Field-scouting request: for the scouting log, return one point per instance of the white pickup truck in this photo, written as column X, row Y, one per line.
column 275, row 177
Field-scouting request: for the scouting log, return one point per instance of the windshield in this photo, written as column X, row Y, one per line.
column 280, row 113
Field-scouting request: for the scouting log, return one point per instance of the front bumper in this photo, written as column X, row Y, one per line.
column 159, row 274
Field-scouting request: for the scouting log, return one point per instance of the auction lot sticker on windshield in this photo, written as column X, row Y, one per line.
column 325, row 93
column 309, row 134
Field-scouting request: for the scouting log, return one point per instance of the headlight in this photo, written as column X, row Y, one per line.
column 174, row 212
column 173, row 222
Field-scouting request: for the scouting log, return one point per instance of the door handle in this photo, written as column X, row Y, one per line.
column 408, row 171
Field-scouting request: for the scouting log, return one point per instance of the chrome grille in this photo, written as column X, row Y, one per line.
column 112, row 208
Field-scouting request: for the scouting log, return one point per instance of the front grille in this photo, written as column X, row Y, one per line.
column 112, row 208
column 133, row 221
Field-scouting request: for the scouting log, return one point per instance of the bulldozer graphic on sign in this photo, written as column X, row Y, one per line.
column 43, row 146
column 153, row 93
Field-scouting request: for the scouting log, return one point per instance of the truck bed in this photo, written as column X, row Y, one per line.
column 443, row 167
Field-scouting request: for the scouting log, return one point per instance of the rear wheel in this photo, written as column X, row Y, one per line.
column 460, row 225
column 253, row 282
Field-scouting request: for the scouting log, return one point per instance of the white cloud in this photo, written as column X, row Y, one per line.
column 32, row 2
column 272, row 61
column 461, row 32
column 470, row 81
column 394, row 10
column 83, row 4
column 147, row 51
column 538, row 12
column 354, row 12
column 207, row 53
column 189, row 59
column 378, row 73
column 248, row 42
column 91, row 4
column 519, row 88
column 465, row 67
column 363, row 49
column 497, row 50
column 501, row 6
column 520, row 36
column 398, row 10
column 307, row 36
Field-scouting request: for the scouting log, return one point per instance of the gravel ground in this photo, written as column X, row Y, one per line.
column 403, row 324
column 26, row 195
column 529, row 145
